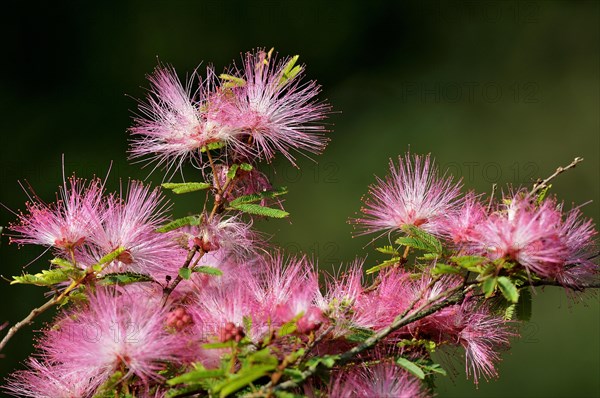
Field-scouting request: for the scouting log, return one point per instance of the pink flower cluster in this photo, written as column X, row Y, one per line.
column 255, row 111
column 540, row 237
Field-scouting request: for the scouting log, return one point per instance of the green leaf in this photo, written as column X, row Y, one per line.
column 46, row 277
column 470, row 263
column 61, row 262
column 108, row 258
column 411, row 367
column 287, row 328
column 385, row 264
column 434, row 368
column 258, row 196
column 186, row 187
column 180, row 222
column 326, row 360
column 359, row 335
column 294, row 374
column 212, row 146
column 246, row 167
column 424, row 240
column 508, row 289
column 509, row 312
column 388, row 250
column 489, row 286
column 185, row 273
column 442, row 269
column 247, row 320
column 542, row 194
column 242, row 379
column 106, row 390
column 290, row 70
column 195, row 376
column 124, row 278
column 231, row 81
column 213, row 346
column 524, row 307
column 232, row 171
column 204, row 269
column 260, row 210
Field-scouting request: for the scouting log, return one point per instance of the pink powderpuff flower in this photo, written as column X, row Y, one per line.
column 461, row 225
column 131, row 223
column 65, row 224
column 117, row 330
column 218, row 314
column 412, row 194
column 46, row 380
column 473, row 326
column 273, row 110
column 381, row 380
column 579, row 237
column 377, row 308
column 229, row 234
column 342, row 292
column 174, row 123
column 290, row 289
column 528, row 234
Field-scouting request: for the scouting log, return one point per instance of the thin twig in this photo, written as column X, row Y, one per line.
column 26, row 321
column 539, row 185
column 169, row 289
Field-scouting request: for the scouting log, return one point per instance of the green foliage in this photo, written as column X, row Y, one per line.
column 327, row 361
column 419, row 239
column 470, row 263
column 260, row 210
column 124, row 278
column 508, row 289
column 196, row 376
column 180, row 222
column 108, row 258
column 542, row 194
column 107, row 390
column 47, row 277
column 443, row 269
column 489, row 286
column 212, row 146
column 387, row 263
column 205, row 269
column 258, row 196
column 290, row 70
column 232, row 172
column 231, row 81
column 411, row 367
column 218, row 345
column 359, row 334
column 186, row 187
column 61, row 262
column 388, row 250
column 185, row 273
column 242, row 379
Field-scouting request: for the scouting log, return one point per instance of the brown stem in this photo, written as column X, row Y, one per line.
column 169, row 289
column 539, row 185
column 26, row 321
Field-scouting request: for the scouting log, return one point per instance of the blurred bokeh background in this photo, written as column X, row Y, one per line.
column 498, row 91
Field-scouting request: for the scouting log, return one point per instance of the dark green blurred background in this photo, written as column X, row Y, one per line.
column 498, row 91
